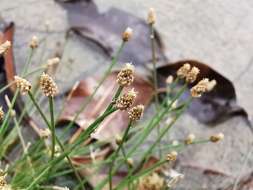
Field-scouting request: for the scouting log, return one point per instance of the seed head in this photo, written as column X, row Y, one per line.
column 34, row 43
column 190, row 138
column 53, row 61
column 151, row 182
column 211, row 85
column 130, row 162
column 127, row 34
column 45, row 133
column 192, row 75
column 172, row 156
column 126, row 100
column 184, row 70
column 151, row 16
column 48, row 85
column 22, row 84
column 136, row 112
column 217, row 137
column 200, row 88
column 3, row 182
column 118, row 139
column 126, row 76
column 4, row 47
column 1, row 114
column 169, row 79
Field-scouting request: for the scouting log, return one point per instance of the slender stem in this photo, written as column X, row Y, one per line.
column 55, row 137
column 51, row 107
column 28, row 62
column 116, row 153
column 106, row 74
column 153, row 51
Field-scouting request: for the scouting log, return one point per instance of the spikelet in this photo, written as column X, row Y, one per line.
column 118, row 139
column 130, row 162
column 4, row 47
column 172, row 156
column 126, row 100
column 53, row 61
column 126, row 75
column 192, row 75
column 169, row 80
column 127, row 34
column 217, row 137
column 136, row 112
column 48, row 85
column 34, row 43
column 22, row 84
column 200, row 88
column 190, row 138
column 151, row 16
column 1, row 114
column 184, row 70
column 151, row 182
column 211, row 85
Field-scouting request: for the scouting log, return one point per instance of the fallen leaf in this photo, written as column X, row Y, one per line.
column 213, row 107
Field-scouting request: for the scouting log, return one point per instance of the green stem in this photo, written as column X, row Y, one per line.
column 55, row 137
column 87, row 101
column 28, row 62
column 116, row 153
column 51, row 107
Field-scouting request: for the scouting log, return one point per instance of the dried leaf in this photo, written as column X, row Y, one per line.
column 104, row 29
column 213, row 107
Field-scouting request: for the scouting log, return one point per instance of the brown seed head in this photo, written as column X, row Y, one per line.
column 217, row 137
column 126, row 100
column 184, row 70
column 192, row 75
column 1, row 114
column 127, row 34
column 190, row 138
column 172, row 156
column 48, row 85
column 34, row 43
column 22, row 84
column 200, row 88
column 151, row 16
column 126, row 76
column 4, row 47
column 136, row 112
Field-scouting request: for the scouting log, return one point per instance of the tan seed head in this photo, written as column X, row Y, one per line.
column 126, row 100
column 184, row 70
column 22, row 84
column 192, row 75
column 151, row 16
column 217, row 137
column 4, row 47
column 200, row 88
column 127, row 34
column 172, row 156
column 136, row 112
column 48, row 85
column 126, row 76
column 34, row 43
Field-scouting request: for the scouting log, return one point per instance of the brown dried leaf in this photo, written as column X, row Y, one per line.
column 213, row 107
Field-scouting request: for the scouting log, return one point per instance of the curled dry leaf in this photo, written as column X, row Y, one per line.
column 213, row 107
column 114, row 124
column 104, row 29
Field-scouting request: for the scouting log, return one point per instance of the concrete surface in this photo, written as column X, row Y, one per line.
column 219, row 33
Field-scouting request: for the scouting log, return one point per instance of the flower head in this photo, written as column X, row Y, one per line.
column 172, row 156
column 48, row 85
column 4, row 47
column 217, row 137
column 126, row 76
column 53, row 61
column 34, row 43
column 1, row 114
column 184, row 70
column 211, row 85
column 22, row 84
column 169, row 79
column 151, row 182
column 190, row 138
column 192, row 75
column 151, row 16
column 136, row 112
column 200, row 88
column 126, row 100
column 127, row 34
